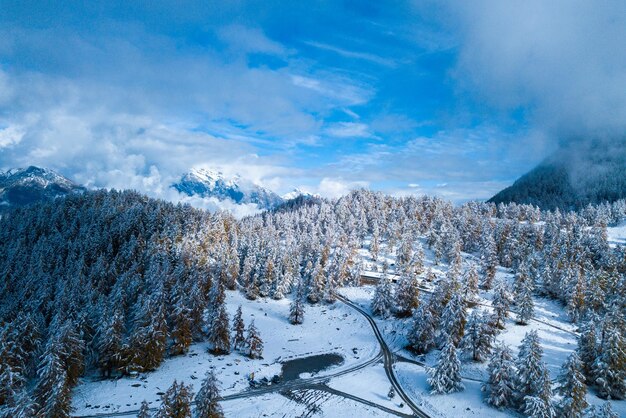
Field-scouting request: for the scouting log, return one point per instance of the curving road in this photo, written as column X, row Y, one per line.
column 319, row 383
column 388, row 358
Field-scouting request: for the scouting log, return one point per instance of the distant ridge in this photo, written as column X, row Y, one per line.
column 580, row 173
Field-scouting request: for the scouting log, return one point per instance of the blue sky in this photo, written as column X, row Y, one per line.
column 449, row 98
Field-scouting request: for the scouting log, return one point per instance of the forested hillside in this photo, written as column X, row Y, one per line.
column 578, row 174
column 117, row 282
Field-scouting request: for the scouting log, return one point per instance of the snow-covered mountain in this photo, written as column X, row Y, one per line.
column 295, row 193
column 210, row 183
column 23, row 186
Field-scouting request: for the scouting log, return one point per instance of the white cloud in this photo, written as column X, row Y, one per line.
column 387, row 62
column 349, row 130
column 564, row 61
column 244, row 39
column 11, row 135
column 334, row 187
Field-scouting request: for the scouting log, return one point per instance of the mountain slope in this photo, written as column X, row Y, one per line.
column 580, row 173
column 208, row 183
column 23, row 186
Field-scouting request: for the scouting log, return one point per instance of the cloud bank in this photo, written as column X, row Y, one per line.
column 325, row 98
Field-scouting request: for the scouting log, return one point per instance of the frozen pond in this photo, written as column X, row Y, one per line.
column 312, row 364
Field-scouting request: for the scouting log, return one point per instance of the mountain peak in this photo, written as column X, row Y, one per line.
column 297, row 193
column 23, row 186
column 210, row 183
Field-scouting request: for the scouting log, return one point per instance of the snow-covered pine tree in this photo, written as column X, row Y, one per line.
column 296, row 309
column 239, row 339
column 407, row 295
column 207, row 405
column 148, row 341
column 375, row 242
column 488, row 260
column 382, row 302
column 445, row 377
column 500, row 385
column 453, row 319
column 536, row 407
column 501, row 303
column 52, row 390
column 176, row 402
column 531, row 370
column 252, row 289
column 315, row 288
column 181, row 330
column 421, row 336
column 479, row 336
column 110, row 344
column 609, row 369
column 576, row 297
column 404, row 253
column 254, row 344
column 219, row 334
column 588, row 348
column 144, row 410
column 572, row 388
column 470, row 289
column 523, row 295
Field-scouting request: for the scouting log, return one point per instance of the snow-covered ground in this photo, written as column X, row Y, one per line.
column 617, row 234
column 340, row 329
column 326, row 329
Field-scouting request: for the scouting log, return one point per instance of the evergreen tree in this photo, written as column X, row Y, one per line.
column 407, row 295
column 453, row 319
column 536, row 407
column 501, row 303
column 382, row 302
column 588, row 349
column 176, row 402
column 52, row 390
column 144, row 410
column 609, row 369
column 148, row 343
column 479, row 336
column 572, row 388
column 525, row 305
column 219, row 335
column 254, row 344
column 296, row 309
column 445, row 377
column 501, row 381
column 532, row 377
column 523, row 296
column 489, row 260
column 110, row 344
column 207, row 405
column 421, row 336
column 239, row 340
column 315, row 289
column 470, row 289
